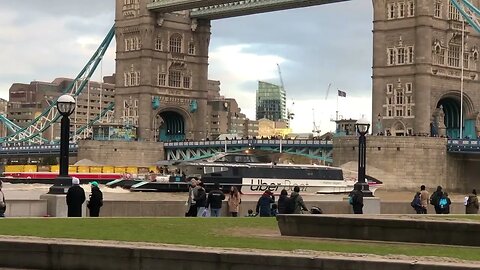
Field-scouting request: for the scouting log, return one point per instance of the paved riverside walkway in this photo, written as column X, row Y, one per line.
column 65, row 254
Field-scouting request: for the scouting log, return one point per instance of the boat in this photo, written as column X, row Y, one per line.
column 49, row 177
column 253, row 177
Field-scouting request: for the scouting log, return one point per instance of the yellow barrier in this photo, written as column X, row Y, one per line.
column 96, row 169
column 132, row 170
column 55, row 168
column 120, row 169
column 108, row 169
column 153, row 168
column 14, row 168
column 30, row 168
column 72, row 169
column 83, row 169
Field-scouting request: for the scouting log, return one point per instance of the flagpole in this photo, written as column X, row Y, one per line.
column 336, row 116
column 461, row 79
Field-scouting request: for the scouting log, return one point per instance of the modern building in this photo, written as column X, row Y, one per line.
column 268, row 128
column 28, row 101
column 417, row 69
column 271, row 102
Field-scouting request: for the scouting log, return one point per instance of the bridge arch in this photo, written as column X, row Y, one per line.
column 172, row 124
column 447, row 114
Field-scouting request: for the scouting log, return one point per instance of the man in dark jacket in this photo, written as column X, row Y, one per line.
column 75, row 199
column 214, row 201
column 471, row 206
column 263, row 204
column 356, row 199
column 96, row 200
column 297, row 200
column 435, row 199
column 283, row 202
column 200, row 197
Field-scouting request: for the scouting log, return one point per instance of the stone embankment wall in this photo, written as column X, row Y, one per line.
column 117, row 153
column 402, row 162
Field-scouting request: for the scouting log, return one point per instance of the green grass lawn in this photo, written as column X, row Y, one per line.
column 257, row 233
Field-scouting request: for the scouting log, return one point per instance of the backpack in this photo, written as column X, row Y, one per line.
column 442, row 202
column 350, row 200
column 290, row 205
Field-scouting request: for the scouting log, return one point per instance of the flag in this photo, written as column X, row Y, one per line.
column 342, row 93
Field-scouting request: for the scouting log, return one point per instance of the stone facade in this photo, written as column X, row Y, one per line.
column 401, row 163
column 119, row 153
column 417, row 69
column 163, row 59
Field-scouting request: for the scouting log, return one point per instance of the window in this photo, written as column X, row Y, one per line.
column 191, row 48
column 409, row 99
column 399, row 112
column 410, row 9
column 391, row 56
column 401, row 10
column 465, row 60
column 401, row 56
column 158, row 44
column 389, row 100
column 389, row 88
column 161, row 79
column 132, row 78
column 176, row 43
column 439, row 56
column 127, row 44
column 390, row 113
column 408, row 87
column 186, row 82
column 454, row 55
column 437, row 13
column 391, row 11
column 399, row 98
column 133, row 44
column 174, row 78
column 410, row 55
column 453, row 13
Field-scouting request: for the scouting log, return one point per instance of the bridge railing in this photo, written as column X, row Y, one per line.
column 463, row 145
column 250, row 142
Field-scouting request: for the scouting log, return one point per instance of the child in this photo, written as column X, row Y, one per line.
column 274, row 210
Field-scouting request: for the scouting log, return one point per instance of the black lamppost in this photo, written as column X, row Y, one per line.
column 362, row 127
column 65, row 106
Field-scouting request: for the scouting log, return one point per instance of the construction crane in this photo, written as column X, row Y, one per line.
column 328, row 90
column 316, row 129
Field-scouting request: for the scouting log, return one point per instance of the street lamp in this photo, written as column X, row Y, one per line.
column 65, row 106
column 362, row 127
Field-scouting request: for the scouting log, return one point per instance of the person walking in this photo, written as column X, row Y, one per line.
column 297, row 201
column 356, row 199
column 424, row 195
column 75, row 198
column 264, row 202
column 96, row 200
column 191, row 210
column 444, row 204
column 200, row 197
column 234, row 201
column 283, row 202
column 435, row 199
column 471, row 206
column 214, row 201
column 3, row 204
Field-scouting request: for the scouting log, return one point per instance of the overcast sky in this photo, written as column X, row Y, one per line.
column 314, row 46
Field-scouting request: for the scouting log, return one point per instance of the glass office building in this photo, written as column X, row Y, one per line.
column 271, row 102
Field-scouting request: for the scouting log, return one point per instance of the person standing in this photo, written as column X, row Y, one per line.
column 75, row 198
column 444, row 204
column 3, row 204
column 356, row 199
column 96, row 200
column 435, row 199
column 297, row 201
column 234, row 201
column 424, row 195
column 214, row 201
column 472, row 205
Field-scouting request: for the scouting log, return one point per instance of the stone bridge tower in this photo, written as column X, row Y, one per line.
column 161, row 72
column 417, row 64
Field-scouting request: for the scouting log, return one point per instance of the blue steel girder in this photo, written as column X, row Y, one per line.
column 198, row 153
column 249, row 7
column 165, row 6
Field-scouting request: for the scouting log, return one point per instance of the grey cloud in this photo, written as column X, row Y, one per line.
column 323, row 44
